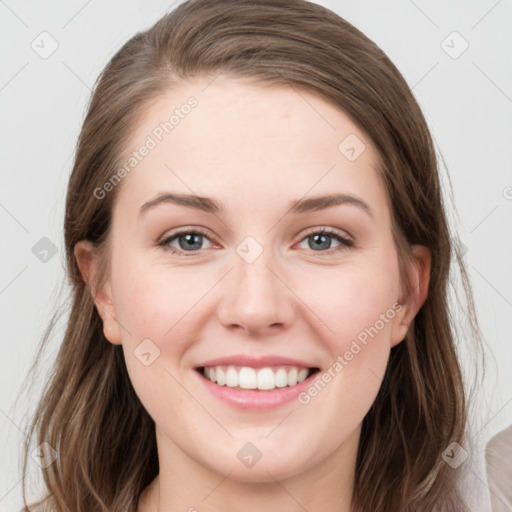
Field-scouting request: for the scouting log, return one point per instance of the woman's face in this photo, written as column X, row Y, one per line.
column 247, row 167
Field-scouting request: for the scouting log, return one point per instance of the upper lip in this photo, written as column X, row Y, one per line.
column 255, row 362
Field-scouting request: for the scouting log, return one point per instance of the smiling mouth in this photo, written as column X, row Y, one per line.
column 257, row 379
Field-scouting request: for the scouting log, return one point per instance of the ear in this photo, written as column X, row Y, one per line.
column 419, row 275
column 88, row 261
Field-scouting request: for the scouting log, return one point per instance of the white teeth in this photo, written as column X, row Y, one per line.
column 303, row 373
column 292, row 377
column 266, row 379
column 253, row 378
column 281, row 378
column 221, row 376
column 246, row 378
column 232, row 378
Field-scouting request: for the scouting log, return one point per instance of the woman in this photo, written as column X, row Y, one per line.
column 259, row 258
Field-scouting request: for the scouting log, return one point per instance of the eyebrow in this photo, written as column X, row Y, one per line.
column 297, row 206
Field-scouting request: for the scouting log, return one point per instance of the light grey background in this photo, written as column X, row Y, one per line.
column 467, row 101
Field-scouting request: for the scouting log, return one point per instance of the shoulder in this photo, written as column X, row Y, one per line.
column 472, row 483
column 36, row 508
column 498, row 455
column 501, row 444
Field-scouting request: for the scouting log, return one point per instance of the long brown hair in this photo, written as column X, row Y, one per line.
column 89, row 411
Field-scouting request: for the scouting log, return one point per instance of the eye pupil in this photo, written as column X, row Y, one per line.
column 191, row 241
column 318, row 238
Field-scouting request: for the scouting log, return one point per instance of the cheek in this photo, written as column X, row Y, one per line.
column 153, row 301
column 151, row 305
column 353, row 302
column 358, row 307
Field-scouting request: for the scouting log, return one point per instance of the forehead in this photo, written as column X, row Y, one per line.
column 249, row 145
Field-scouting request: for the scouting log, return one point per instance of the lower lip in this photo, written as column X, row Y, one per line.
column 250, row 399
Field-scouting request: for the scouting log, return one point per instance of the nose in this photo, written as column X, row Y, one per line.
column 256, row 298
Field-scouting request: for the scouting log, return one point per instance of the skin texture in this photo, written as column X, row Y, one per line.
column 254, row 150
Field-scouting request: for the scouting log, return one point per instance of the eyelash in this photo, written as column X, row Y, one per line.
column 345, row 242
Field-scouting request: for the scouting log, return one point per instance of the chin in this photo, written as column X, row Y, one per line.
column 273, row 465
column 263, row 473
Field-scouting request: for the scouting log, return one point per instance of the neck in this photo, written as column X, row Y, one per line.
column 184, row 484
